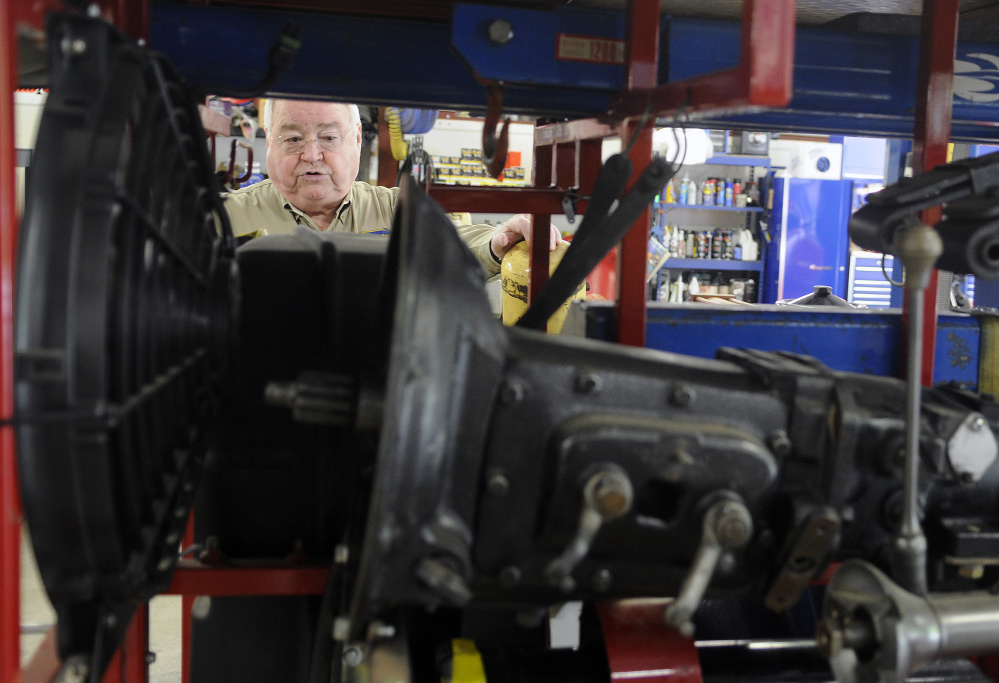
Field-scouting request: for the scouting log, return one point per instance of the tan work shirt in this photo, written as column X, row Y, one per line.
column 366, row 209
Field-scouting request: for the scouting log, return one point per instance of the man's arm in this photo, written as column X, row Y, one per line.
column 489, row 244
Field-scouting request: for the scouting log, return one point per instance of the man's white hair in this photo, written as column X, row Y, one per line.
column 268, row 113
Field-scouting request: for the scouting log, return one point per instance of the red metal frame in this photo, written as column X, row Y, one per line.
column 500, row 199
column 640, row 68
column 194, row 578
column 761, row 79
column 934, row 97
column 10, row 504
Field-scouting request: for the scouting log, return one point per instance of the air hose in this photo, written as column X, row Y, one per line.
column 400, row 149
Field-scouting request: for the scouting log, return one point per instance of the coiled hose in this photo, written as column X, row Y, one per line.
column 400, row 148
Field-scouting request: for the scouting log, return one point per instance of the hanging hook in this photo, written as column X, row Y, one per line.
column 493, row 150
column 230, row 174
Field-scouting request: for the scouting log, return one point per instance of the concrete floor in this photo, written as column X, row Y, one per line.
column 37, row 614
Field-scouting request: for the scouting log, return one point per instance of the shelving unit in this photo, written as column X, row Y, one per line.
column 708, row 217
column 711, row 264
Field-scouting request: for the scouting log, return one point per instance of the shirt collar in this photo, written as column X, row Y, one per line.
column 302, row 217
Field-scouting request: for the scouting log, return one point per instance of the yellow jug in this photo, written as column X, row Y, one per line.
column 516, row 272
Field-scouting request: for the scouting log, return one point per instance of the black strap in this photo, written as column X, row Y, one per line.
column 597, row 235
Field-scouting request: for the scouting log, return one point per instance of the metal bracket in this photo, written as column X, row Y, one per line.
column 727, row 526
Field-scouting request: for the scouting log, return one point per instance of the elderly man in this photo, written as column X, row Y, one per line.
column 313, row 152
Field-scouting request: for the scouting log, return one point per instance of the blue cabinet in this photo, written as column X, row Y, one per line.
column 808, row 244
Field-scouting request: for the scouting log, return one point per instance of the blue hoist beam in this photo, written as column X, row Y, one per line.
column 567, row 62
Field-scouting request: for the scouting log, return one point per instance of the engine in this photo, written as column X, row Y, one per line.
column 456, row 467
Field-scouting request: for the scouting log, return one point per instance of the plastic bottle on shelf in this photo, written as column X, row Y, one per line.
column 750, row 249
column 729, row 192
column 693, row 193
column 684, row 186
column 670, row 192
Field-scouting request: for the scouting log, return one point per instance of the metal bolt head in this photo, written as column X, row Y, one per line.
column 733, row 527
column 498, row 485
column 500, row 31
column 780, row 444
column 201, row 606
column 971, row 571
column 72, row 46
column 587, row 383
column 611, row 494
column 512, row 393
column 977, row 424
column 341, row 629
column 380, row 630
column 353, row 655
column 150, row 657
column 682, row 396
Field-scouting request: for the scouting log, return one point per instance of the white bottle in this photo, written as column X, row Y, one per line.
column 750, row 248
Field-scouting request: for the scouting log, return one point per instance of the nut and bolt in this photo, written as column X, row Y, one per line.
column 500, row 31
column 977, row 424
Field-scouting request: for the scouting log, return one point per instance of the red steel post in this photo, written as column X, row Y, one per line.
column 10, row 504
column 934, row 97
column 544, row 160
column 640, row 65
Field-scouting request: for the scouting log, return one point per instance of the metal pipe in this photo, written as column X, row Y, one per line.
column 968, row 623
column 909, row 551
column 918, row 246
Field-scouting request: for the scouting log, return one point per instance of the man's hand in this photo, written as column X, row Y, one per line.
column 516, row 229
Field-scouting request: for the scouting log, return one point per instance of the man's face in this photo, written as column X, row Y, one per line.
column 313, row 179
